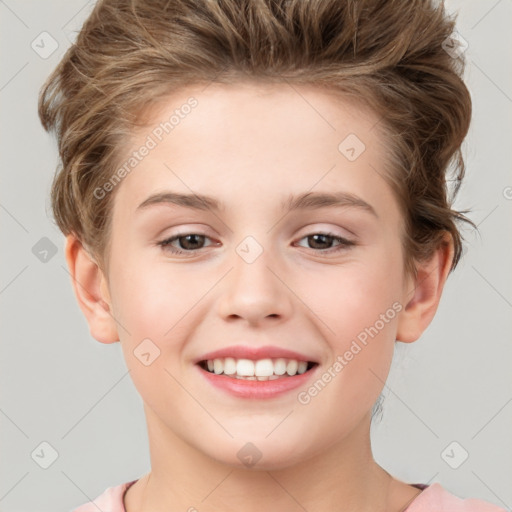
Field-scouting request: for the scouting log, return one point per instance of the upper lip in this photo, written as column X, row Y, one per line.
column 254, row 353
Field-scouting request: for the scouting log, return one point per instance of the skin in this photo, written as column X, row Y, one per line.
column 250, row 146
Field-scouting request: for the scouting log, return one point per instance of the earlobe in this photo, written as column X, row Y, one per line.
column 424, row 293
column 91, row 291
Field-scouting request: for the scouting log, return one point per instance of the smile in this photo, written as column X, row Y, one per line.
column 260, row 369
column 256, row 378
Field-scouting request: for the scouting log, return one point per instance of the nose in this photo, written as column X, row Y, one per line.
column 255, row 291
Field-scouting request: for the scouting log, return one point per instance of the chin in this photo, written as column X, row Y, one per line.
column 258, row 453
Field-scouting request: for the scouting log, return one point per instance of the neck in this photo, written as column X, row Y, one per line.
column 183, row 478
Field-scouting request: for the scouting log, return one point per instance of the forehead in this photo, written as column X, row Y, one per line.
column 241, row 111
column 245, row 142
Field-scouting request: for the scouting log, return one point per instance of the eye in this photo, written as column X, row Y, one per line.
column 324, row 241
column 189, row 242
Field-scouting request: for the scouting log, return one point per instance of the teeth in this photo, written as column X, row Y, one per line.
column 261, row 370
column 245, row 368
column 302, row 367
column 264, row 368
column 229, row 366
column 291, row 367
column 280, row 366
column 218, row 366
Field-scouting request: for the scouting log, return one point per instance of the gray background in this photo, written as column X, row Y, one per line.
column 58, row 385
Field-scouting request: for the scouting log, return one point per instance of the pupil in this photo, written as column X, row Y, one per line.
column 187, row 238
column 315, row 239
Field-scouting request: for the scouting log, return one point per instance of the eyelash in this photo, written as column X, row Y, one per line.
column 344, row 244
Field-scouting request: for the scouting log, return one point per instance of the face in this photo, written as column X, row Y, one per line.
column 255, row 278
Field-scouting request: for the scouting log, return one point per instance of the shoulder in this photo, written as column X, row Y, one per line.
column 435, row 498
column 111, row 499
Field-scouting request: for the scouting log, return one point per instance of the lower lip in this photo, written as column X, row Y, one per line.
column 244, row 388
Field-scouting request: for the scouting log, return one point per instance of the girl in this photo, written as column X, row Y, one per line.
column 255, row 204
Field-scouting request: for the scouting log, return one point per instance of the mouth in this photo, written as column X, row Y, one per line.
column 256, row 369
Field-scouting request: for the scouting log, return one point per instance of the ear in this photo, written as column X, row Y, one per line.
column 423, row 293
column 91, row 290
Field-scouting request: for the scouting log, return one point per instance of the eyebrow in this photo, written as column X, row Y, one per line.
column 305, row 201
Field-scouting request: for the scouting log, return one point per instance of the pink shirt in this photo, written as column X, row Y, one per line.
column 433, row 498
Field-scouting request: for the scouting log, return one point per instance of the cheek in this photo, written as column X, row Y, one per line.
column 158, row 303
column 354, row 297
column 145, row 302
column 150, row 309
column 361, row 309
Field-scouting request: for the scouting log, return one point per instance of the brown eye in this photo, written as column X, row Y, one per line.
column 191, row 242
column 323, row 242
column 183, row 243
column 320, row 241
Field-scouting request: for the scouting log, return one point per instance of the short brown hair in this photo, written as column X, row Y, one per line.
column 388, row 54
